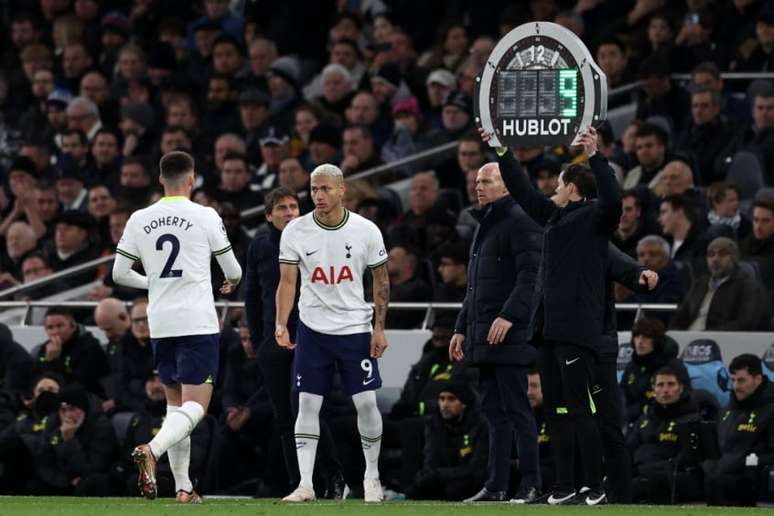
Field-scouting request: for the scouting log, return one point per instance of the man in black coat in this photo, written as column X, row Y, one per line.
column 262, row 278
column 16, row 364
column 492, row 329
column 568, row 307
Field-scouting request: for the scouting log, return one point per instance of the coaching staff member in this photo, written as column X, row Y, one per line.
column 260, row 287
column 569, row 303
column 491, row 331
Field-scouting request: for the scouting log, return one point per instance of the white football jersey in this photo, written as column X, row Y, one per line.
column 331, row 261
column 175, row 239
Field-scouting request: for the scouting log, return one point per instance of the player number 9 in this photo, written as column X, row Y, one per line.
column 366, row 366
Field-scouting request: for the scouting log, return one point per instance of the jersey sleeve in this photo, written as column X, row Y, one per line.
column 217, row 236
column 128, row 245
column 287, row 250
column 377, row 254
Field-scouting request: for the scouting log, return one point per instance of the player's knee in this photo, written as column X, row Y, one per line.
column 309, row 404
column 365, row 401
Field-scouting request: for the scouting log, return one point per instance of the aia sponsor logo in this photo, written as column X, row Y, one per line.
column 331, row 276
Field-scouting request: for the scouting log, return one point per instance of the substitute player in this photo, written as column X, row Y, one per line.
column 332, row 248
column 175, row 240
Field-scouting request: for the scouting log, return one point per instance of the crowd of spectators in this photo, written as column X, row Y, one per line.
column 92, row 93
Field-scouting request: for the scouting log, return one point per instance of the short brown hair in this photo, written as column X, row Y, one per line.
column 176, row 164
column 275, row 196
column 717, row 191
column 651, row 328
column 767, row 203
column 582, row 178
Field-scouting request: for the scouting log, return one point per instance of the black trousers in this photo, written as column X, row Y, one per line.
column 506, row 408
column 567, row 373
column 608, row 399
column 657, row 487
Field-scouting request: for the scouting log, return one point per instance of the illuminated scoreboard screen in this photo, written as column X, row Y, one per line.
column 540, row 86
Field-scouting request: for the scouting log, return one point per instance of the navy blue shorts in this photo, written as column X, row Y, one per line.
column 189, row 360
column 317, row 354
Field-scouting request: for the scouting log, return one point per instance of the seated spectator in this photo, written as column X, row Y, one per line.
column 653, row 253
column 75, row 145
column 440, row 83
column 725, row 300
column 746, row 427
column 337, row 91
column 466, row 222
column 663, row 473
column 359, row 151
column 324, row 144
column 293, row 176
column 23, row 180
column 547, row 177
column 275, row 146
column 651, row 143
column 659, row 96
column 630, row 226
column 284, row 74
column 106, row 160
column 112, row 318
column 724, row 199
column 72, row 246
column 136, row 125
column 83, row 114
column 70, row 186
column 135, row 182
column 759, row 246
column 470, row 156
column 253, row 115
column 364, row 110
column 16, row 365
column 78, row 446
column 452, row 260
column 71, row 352
column 456, row 448
column 707, row 75
column 423, row 196
column 100, row 204
column 761, row 56
column 677, row 179
column 653, row 349
column 19, row 241
column 676, row 217
column 35, row 266
column 405, row 286
column 136, row 359
column 406, row 138
column 235, row 187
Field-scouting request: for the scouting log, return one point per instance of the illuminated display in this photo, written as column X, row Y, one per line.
column 540, row 93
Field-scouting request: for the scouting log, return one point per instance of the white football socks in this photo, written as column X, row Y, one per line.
column 307, row 431
column 369, row 424
column 180, row 460
column 177, row 426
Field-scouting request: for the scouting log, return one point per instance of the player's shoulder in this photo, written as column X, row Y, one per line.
column 300, row 223
column 362, row 224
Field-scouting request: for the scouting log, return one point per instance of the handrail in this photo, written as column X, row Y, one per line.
column 65, row 273
column 440, row 149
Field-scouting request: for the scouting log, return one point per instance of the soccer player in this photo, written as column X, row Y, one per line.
column 332, row 248
column 175, row 239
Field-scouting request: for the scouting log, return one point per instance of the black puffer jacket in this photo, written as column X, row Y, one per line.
column 501, row 278
column 569, row 300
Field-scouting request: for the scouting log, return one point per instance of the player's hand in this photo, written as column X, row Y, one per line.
column 53, row 348
column 588, row 140
column 227, row 288
column 649, row 278
column 498, row 331
column 378, row 344
column 283, row 338
column 455, row 347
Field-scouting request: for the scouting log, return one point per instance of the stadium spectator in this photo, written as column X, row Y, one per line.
column 253, row 115
column 759, row 246
column 440, row 83
column 659, row 96
column 724, row 200
column 136, row 359
column 324, row 142
column 452, row 259
column 706, row 75
column 83, row 114
column 135, row 181
column 235, row 187
column 364, row 110
column 16, row 366
column 760, row 56
column 136, row 125
column 359, row 150
column 70, row 185
column 112, row 318
column 72, row 246
column 653, row 253
column 630, row 226
column 106, row 158
column 406, row 138
column 676, row 217
column 20, row 239
column 406, row 286
column 275, row 146
column 612, row 56
column 651, row 143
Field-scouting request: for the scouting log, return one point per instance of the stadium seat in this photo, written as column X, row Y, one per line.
column 746, row 173
column 703, row 360
column 767, row 192
column 768, row 362
column 121, row 422
column 751, row 269
column 451, row 198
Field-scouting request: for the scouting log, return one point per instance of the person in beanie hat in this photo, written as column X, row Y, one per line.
column 324, row 145
column 70, row 185
column 137, row 119
column 284, row 77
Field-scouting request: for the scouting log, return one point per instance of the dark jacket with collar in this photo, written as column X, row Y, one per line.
column 636, row 382
column 569, row 300
column 621, row 268
column 739, row 304
column 501, row 278
column 456, row 449
column 16, row 364
column 82, row 361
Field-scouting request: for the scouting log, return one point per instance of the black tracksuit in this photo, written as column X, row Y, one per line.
column 569, row 307
column 637, row 379
column 82, row 360
column 16, row 364
column 503, row 264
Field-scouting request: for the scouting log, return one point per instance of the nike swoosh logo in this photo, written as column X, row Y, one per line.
column 366, row 382
column 570, row 362
column 311, row 253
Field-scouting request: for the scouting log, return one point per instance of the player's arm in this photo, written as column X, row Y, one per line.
column 127, row 253
column 381, row 295
column 229, row 264
column 286, row 295
column 221, row 250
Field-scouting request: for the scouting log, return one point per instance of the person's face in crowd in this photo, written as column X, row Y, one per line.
column 450, row 405
column 481, row 50
column 703, row 109
column 69, row 238
column 261, row 55
column 226, row 58
column 728, row 205
column 154, row 389
column 356, row 144
column 246, row 341
column 204, row 39
column 763, row 223
column 253, row 115
column 407, row 121
column 285, row 210
column 763, row 112
column 279, row 88
column 765, row 34
column 37, row 153
column 57, row 117
column 131, row 65
column 72, row 145
column 47, row 203
column 86, row 9
column 335, row 87
column 305, row 121
column 180, row 113
column 117, row 224
column 104, row 149
column 79, row 118
column 235, row 176
column 669, row 218
column 34, row 268
column 534, row 391
column 68, row 189
column 292, row 175
column 630, row 214
column 655, row 87
column 139, row 319
column 612, row 60
column 224, row 145
column 441, row 337
column 437, row 93
column 489, row 185
column 707, row 80
column 546, row 182
column 382, row 91
column 363, row 110
column 23, row 33
column 650, row 151
column 470, row 186
column 46, row 385
column 218, row 92
column 344, row 28
column 112, row 40
column 101, row 203
column 327, row 193
column 423, row 193
column 344, row 54
column 643, row 345
column 321, row 152
column 451, row 272
column 20, row 182
column 20, row 239
column 454, row 119
column 215, row 9
column 469, row 156
column 42, row 84
column 659, row 32
column 652, row 256
column 745, row 384
column 628, row 139
column 401, row 48
column 383, row 29
column 75, row 61
column 677, row 178
column 71, row 412
column 32, row 65
column 720, row 260
column 174, row 140
column 133, row 176
column 60, row 326
column 667, row 389
column 456, row 41
column 273, row 154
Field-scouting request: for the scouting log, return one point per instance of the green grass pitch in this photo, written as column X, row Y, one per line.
column 50, row 506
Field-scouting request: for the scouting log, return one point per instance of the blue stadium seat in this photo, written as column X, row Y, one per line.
column 704, row 363
column 768, row 362
column 746, row 173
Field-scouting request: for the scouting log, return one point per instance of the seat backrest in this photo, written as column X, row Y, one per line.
column 746, row 173
column 767, row 192
column 768, row 362
column 704, row 363
column 751, row 269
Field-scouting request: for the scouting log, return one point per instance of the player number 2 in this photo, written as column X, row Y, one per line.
column 366, row 366
column 168, row 271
